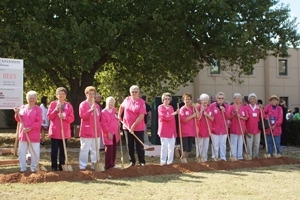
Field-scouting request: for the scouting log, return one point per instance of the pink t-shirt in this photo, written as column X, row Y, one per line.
column 87, row 128
column 234, row 123
column 166, row 122
column 132, row 110
column 275, row 116
column 254, row 117
column 110, row 124
column 218, row 125
column 202, row 125
column 188, row 128
column 31, row 119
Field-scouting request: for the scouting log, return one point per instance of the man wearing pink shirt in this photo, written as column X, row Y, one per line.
column 237, row 112
column 134, row 110
column 274, row 113
column 31, row 117
column 59, row 109
column 219, row 134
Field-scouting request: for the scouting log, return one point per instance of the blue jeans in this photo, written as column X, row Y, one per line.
column 271, row 144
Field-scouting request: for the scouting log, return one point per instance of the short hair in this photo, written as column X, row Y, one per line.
column 204, row 96
column 44, row 100
column 30, row 94
column 90, row 89
column 108, row 99
column 252, row 95
column 237, row 95
column 296, row 109
column 134, row 87
column 260, row 101
column 187, row 95
column 61, row 89
column 164, row 95
column 220, row 93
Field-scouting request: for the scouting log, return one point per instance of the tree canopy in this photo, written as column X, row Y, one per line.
column 149, row 43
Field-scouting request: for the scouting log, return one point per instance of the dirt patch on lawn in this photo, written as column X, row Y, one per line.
column 137, row 171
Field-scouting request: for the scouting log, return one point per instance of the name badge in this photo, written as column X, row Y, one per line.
column 254, row 114
column 215, row 111
column 168, row 113
column 209, row 113
column 243, row 113
column 136, row 106
column 186, row 113
column 272, row 120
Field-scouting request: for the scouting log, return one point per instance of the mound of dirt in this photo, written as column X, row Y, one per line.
column 137, row 171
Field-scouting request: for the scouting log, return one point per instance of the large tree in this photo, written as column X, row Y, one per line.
column 149, row 42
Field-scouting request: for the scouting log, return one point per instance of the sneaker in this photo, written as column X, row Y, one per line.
column 142, row 164
column 116, row 167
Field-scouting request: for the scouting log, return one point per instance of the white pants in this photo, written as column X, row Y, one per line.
column 253, row 141
column 204, row 142
column 146, row 138
column 86, row 145
column 167, row 150
column 220, row 146
column 23, row 148
column 237, row 145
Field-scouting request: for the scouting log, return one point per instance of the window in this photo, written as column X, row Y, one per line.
column 286, row 100
column 249, row 73
column 282, row 65
column 215, row 67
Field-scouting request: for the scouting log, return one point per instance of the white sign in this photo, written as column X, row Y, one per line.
column 11, row 83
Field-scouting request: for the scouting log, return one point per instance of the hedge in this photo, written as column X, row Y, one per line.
column 293, row 132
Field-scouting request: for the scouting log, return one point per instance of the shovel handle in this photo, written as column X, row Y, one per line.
column 212, row 141
column 63, row 140
column 136, row 137
column 243, row 135
column 272, row 134
column 264, row 130
column 180, row 133
column 198, row 142
column 226, row 127
column 95, row 133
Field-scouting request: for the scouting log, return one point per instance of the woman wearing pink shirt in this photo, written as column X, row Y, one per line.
column 237, row 110
column 134, row 110
column 253, row 133
column 204, row 111
column 31, row 116
column 166, row 129
column 219, row 134
column 274, row 113
column 59, row 109
column 87, row 128
column 111, row 132
column 188, row 128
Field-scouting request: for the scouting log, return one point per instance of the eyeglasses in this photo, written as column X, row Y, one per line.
column 167, row 99
column 220, row 98
column 134, row 92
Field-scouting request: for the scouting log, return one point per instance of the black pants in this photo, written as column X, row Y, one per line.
column 57, row 144
column 139, row 147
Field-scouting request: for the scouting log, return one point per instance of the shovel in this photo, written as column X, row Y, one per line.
column 266, row 155
column 271, row 131
column 212, row 141
column 146, row 147
column 39, row 166
column 66, row 166
column 199, row 157
column 246, row 155
column 231, row 158
column 183, row 160
column 16, row 140
column 99, row 167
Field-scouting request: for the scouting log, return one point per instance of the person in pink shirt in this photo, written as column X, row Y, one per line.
column 31, row 116
column 188, row 126
column 111, row 132
column 203, row 140
column 274, row 113
column 252, row 130
column 166, row 129
column 237, row 112
column 134, row 110
column 87, row 108
column 219, row 134
column 59, row 109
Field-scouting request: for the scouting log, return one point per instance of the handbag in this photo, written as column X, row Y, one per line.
column 260, row 126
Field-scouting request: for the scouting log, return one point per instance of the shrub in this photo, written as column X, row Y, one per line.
column 293, row 132
column 10, row 119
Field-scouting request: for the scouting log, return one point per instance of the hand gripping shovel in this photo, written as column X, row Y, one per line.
column 266, row 155
column 66, row 166
column 246, row 155
column 271, row 131
column 182, row 159
column 212, row 141
column 39, row 166
column 146, row 147
column 231, row 158
column 199, row 157
column 99, row 167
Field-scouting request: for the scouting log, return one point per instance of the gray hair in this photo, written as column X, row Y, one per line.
column 252, row 95
column 134, row 87
column 164, row 95
column 108, row 100
column 204, row 96
column 30, row 94
column 220, row 93
column 237, row 95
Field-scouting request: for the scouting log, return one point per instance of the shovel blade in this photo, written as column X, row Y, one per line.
column 67, row 168
column 277, row 155
column 233, row 159
column 247, row 157
column 99, row 167
column 42, row 168
column 267, row 155
column 183, row 160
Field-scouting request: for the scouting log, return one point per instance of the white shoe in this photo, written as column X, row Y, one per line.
column 116, row 167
